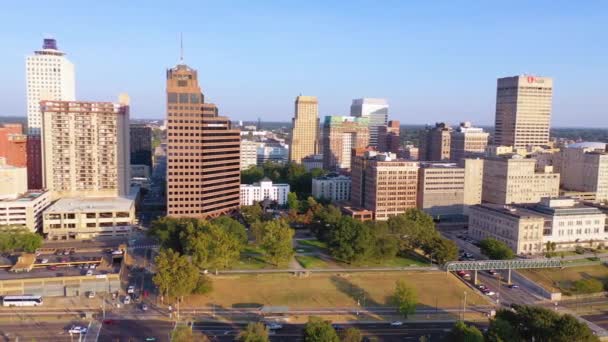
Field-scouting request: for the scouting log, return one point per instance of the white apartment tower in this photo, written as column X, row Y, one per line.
column 50, row 76
column 377, row 112
column 523, row 111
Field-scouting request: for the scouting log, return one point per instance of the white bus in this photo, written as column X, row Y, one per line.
column 25, row 300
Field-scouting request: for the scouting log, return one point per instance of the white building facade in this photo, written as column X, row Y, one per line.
column 265, row 189
column 25, row 211
column 374, row 109
column 249, row 153
column 332, row 187
column 49, row 76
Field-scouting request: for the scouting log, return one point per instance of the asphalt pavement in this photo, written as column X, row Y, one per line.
column 38, row 331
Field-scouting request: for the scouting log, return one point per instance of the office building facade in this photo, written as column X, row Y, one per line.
column 13, row 145
column 49, row 76
column 249, row 154
column 376, row 111
column 341, row 134
column 85, row 148
column 305, row 129
column 435, row 143
column 513, row 179
column 584, row 167
column 468, row 142
column 25, row 210
column 383, row 184
column 141, row 144
column 389, row 137
column 523, row 111
column 333, row 187
column 203, row 151
column 13, row 181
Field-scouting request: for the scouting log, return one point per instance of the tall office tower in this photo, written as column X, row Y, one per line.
column 340, row 135
column 203, row 151
column 388, row 137
column 383, row 184
column 141, row 145
column 523, row 111
column 50, row 76
column 584, row 167
column 511, row 179
column 13, row 145
column 468, row 142
column 85, row 148
column 305, row 129
column 435, row 142
column 376, row 110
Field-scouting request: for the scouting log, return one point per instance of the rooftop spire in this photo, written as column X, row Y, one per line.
column 181, row 48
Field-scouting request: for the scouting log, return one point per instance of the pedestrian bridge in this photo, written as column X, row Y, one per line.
column 481, row 265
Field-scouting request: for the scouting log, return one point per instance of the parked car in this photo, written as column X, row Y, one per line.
column 91, row 294
column 44, row 261
column 89, row 273
column 131, row 289
column 274, row 326
column 127, row 299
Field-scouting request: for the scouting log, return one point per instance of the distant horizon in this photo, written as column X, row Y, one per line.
column 289, row 123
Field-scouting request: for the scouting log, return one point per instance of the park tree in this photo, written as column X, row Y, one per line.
column 414, row 228
column 292, row 201
column 254, row 332
column 318, row 330
column 204, row 285
column 386, row 247
column 404, row 298
column 496, row 250
column 233, row 226
column 324, row 220
column 352, row 335
column 275, row 239
column 175, row 274
column 252, row 213
column 441, row 249
column 351, row 241
column 252, row 174
column 465, row 333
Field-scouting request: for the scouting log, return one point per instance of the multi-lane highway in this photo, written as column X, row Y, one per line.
column 38, row 331
column 119, row 331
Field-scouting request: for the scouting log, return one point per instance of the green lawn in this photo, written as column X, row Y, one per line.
column 251, row 259
column 308, row 261
column 411, row 259
column 312, row 246
column 557, row 279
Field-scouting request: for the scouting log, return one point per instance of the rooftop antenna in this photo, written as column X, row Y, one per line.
column 181, row 48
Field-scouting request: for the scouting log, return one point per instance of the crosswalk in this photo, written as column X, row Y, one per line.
column 93, row 331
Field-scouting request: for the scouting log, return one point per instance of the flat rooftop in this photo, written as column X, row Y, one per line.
column 26, row 197
column 93, row 204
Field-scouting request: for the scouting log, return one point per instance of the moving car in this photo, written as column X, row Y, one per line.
column 127, row 299
column 44, row 261
column 77, row 329
column 396, row 323
column 144, row 307
column 513, row 286
column 274, row 326
column 131, row 289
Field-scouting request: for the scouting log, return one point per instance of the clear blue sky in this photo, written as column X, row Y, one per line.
column 433, row 60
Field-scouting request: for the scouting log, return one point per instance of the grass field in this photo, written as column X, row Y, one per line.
column 308, row 261
column 332, row 290
column 556, row 279
column 251, row 259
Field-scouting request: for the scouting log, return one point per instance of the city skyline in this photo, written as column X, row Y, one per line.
column 254, row 73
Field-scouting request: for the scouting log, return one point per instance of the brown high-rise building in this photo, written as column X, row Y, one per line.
column 388, row 137
column 435, row 142
column 341, row 134
column 13, row 145
column 523, row 111
column 468, row 142
column 203, row 151
column 304, row 129
column 383, row 184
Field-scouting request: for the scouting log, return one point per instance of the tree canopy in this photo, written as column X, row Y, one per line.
column 175, row 274
column 275, row 239
column 299, row 180
column 533, row 323
column 254, row 332
column 13, row 239
column 404, row 298
column 318, row 330
column 496, row 250
column 465, row 333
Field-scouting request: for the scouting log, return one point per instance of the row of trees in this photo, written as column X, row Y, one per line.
column 299, row 180
column 354, row 241
column 316, row 330
column 13, row 239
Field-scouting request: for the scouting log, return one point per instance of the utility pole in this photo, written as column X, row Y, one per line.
column 464, row 306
